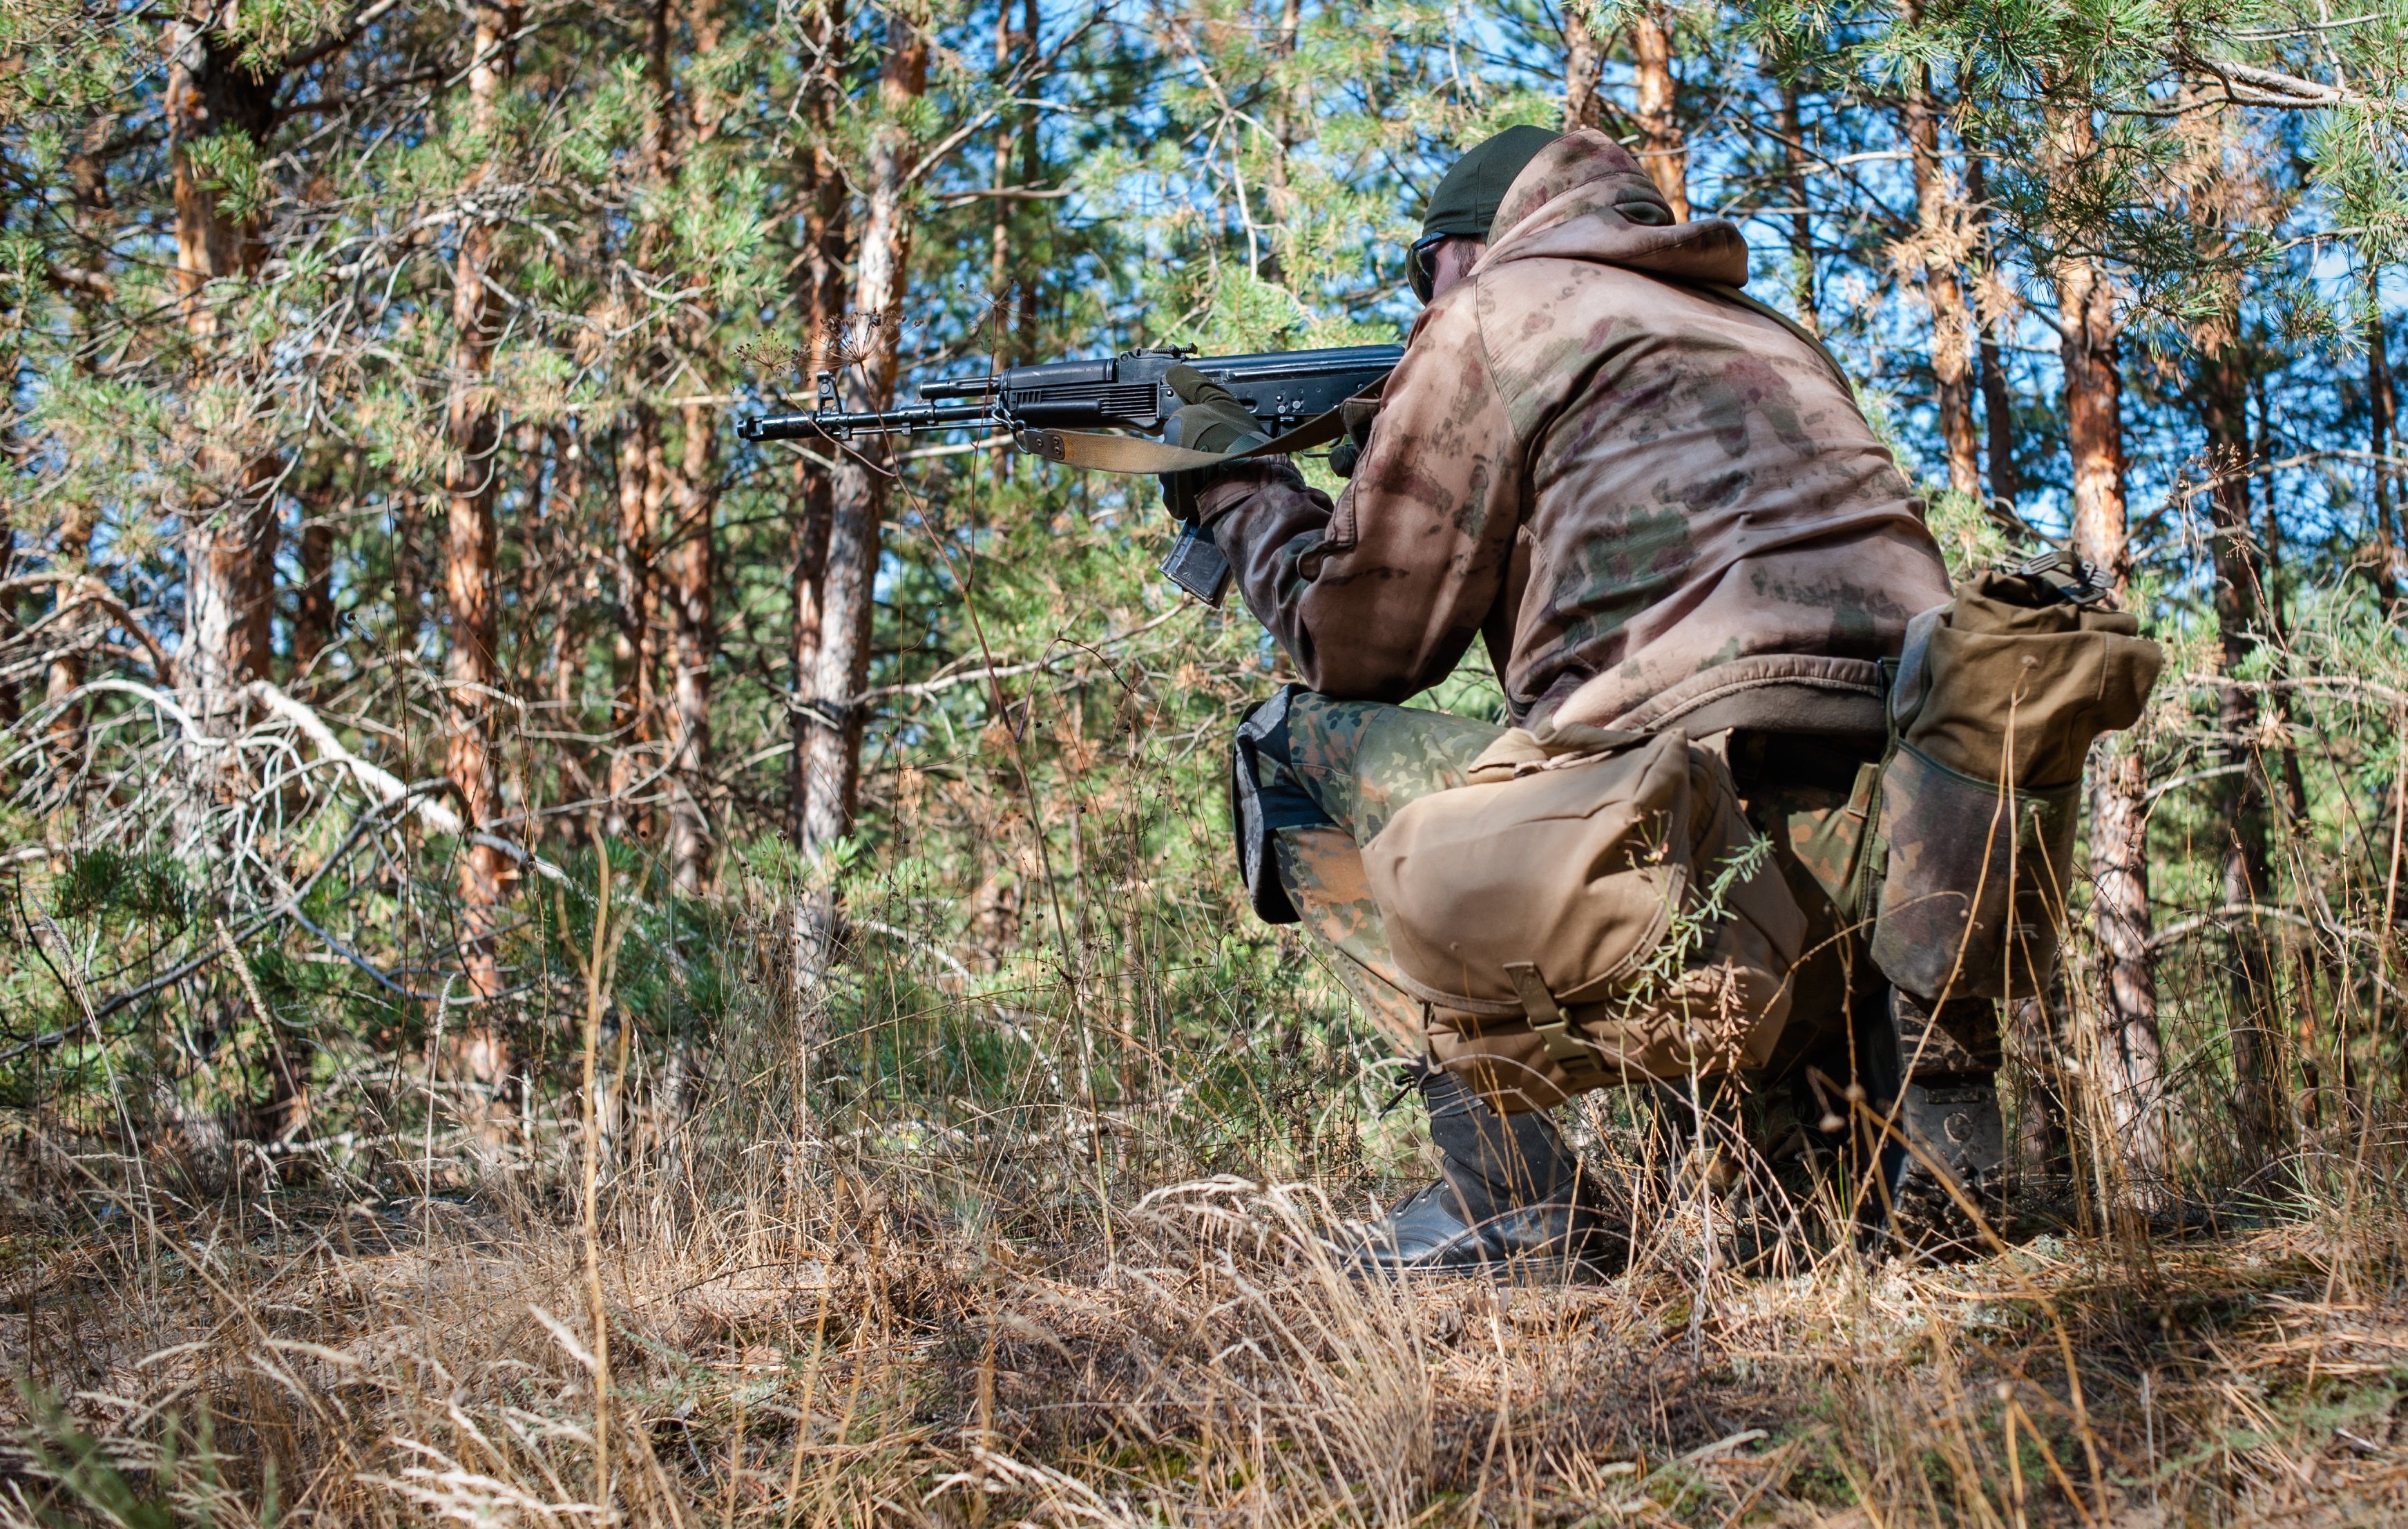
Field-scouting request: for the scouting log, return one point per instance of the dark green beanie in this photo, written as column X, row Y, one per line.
column 1466, row 200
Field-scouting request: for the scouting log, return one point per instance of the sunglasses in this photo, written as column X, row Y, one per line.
column 1418, row 272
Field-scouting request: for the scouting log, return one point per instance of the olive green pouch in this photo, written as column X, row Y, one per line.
column 1999, row 696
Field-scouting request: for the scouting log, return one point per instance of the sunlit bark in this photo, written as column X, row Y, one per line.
column 833, row 760
column 1666, row 150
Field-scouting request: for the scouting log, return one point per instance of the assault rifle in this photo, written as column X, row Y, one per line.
column 1051, row 409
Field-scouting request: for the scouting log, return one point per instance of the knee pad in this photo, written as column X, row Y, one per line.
column 1259, row 812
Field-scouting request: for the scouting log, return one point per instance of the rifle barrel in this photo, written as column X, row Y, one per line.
column 841, row 427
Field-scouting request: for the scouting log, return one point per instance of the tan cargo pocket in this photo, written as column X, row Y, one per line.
column 1587, row 918
column 1974, row 890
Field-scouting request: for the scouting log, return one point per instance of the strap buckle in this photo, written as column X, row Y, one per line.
column 2063, row 571
column 1579, row 1060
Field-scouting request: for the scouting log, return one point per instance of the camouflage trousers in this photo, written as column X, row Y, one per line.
column 1361, row 762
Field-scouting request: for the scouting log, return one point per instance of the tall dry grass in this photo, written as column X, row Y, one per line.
column 813, row 1347
column 1028, row 1229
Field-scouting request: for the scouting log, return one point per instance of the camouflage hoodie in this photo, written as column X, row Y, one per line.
column 1656, row 504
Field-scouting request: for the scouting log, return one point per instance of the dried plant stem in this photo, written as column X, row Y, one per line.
column 601, row 960
column 803, row 1410
column 735, row 1462
column 2014, row 1457
column 2391, row 876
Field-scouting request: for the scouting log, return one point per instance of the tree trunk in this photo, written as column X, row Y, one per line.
column 1000, row 305
column 832, row 764
column 404, row 573
column 479, row 1056
column 819, row 290
column 693, row 499
column 2041, row 1141
column 2241, row 797
column 809, row 921
column 1580, row 65
column 998, row 254
column 66, row 671
column 1795, row 160
column 812, row 499
column 2129, row 1050
column 1998, row 416
column 1032, row 173
column 634, row 703
column 644, row 486
column 230, row 522
column 313, row 607
column 1939, row 232
column 569, row 634
column 230, row 586
column 2094, row 419
column 10, row 705
column 1998, row 401
column 826, row 226
column 88, row 177
column 1291, row 108
column 1665, row 152
column 815, row 503
column 692, row 640
column 287, row 1112
column 2382, row 407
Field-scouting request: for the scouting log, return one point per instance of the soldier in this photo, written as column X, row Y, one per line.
column 1657, row 503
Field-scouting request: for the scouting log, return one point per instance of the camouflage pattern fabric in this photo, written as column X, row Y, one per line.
column 1628, row 486
column 1361, row 762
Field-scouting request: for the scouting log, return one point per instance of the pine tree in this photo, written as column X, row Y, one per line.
column 220, row 104
column 471, row 586
column 1937, row 250
column 870, row 354
column 1656, row 106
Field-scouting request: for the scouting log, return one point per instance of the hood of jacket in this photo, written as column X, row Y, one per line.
column 1584, row 197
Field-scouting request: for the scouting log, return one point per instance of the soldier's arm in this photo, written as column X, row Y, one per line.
column 1377, row 597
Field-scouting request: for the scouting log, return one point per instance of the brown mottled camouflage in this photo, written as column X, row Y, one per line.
column 1645, row 496
column 1975, row 881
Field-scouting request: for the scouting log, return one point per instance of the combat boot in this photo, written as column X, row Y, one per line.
column 1947, row 1106
column 1509, row 1201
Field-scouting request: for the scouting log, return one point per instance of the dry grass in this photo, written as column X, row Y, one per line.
column 833, row 1358
column 906, row 1257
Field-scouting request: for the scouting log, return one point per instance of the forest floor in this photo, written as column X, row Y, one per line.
column 1195, row 1361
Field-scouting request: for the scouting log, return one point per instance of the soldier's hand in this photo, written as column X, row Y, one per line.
column 1356, row 414
column 1213, row 419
